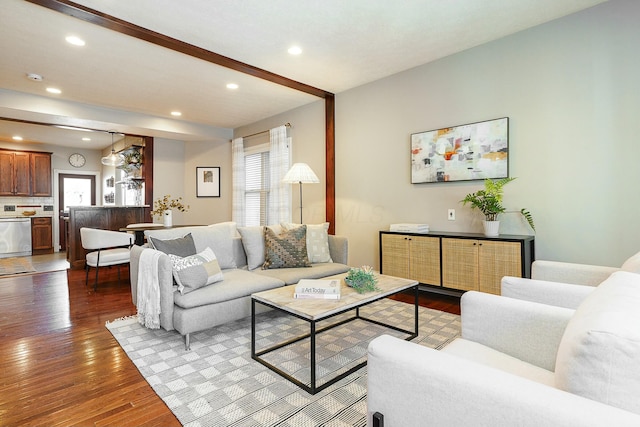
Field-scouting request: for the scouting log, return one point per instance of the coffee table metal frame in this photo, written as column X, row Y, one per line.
column 314, row 388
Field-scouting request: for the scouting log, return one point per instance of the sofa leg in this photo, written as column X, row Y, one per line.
column 187, row 342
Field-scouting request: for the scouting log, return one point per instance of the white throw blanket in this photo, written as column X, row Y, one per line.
column 148, row 295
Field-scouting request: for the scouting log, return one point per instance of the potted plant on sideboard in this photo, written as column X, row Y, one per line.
column 489, row 202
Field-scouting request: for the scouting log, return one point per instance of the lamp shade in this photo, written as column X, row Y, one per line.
column 302, row 173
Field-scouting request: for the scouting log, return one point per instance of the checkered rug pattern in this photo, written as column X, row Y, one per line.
column 217, row 383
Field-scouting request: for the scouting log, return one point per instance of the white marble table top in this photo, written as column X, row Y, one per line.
column 317, row 309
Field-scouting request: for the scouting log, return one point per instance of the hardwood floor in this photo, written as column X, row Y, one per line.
column 60, row 365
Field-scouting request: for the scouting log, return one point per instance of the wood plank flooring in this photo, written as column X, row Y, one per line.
column 60, row 366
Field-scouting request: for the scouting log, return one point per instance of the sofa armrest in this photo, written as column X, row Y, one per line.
column 526, row 330
column 339, row 249
column 412, row 385
column 544, row 292
column 566, row 272
column 165, row 281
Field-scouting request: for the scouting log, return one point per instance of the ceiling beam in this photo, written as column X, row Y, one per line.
column 115, row 24
column 93, row 16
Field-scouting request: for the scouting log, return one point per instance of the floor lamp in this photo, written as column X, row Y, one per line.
column 302, row 174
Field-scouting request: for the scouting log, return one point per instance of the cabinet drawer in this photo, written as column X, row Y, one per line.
column 41, row 221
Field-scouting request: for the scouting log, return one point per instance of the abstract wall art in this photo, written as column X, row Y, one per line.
column 468, row 152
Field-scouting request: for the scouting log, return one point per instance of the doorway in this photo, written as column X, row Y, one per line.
column 73, row 190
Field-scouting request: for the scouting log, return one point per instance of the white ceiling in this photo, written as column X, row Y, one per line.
column 121, row 83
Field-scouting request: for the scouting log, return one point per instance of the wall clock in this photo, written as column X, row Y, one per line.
column 77, row 160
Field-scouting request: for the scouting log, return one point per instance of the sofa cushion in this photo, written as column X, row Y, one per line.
column 253, row 243
column 632, row 265
column 287, row 249
column 218, row 237
column 292, row 276
column 195, row 271
column 236, row 284
column 181, row 246
column 317, row 241
column 599, row 352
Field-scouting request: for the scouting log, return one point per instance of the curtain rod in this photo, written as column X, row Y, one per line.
column 261, row 132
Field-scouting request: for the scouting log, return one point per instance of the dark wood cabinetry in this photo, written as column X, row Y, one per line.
column 456, row 261
column 41, row 174
column 41, row 236
column 104, row 217
column 24, row 173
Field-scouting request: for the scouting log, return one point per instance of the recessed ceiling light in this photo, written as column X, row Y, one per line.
column 34, row 77
column 232, row 86
column 176, row 113
column 295, row 50
column 76, row 41
column 17, row 138
column 86, row 139
column 54, row 90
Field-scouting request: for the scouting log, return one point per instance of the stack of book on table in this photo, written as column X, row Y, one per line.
column 318, row 289
column 410, row 228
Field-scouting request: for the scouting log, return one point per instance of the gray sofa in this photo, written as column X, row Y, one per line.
column 229, row 299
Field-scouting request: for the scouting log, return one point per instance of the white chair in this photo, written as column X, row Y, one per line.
column 107, row 248
column 562, row 284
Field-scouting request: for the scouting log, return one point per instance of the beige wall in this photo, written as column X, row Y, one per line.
column 572, row 93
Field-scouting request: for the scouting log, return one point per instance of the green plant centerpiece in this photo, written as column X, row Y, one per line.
column 489, row 200
column 362, row 279
column 165, row 204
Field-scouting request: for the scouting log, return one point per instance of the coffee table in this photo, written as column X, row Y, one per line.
column 315, row 310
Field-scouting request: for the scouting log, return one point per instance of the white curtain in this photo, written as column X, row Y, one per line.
column 279, row 164
column 238, row 181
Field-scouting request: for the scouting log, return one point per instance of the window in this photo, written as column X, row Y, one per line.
column 256, row 196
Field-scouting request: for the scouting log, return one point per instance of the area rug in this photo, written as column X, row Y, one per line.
column 15, row 265
column 217, row 383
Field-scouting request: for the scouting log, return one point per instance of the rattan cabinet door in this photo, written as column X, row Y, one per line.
column 395, row 255
column 496, row 260
column 460, row 264
column 424, row 259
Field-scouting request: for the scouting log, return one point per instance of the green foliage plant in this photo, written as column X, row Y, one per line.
column 362, row 279
column 489, row 200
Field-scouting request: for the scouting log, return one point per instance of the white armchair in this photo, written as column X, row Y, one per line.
column 562, row 284
column 580, row 274
column 518, row 363
column 107, row 248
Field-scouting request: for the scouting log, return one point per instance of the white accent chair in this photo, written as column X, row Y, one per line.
column 518, row 363
column 561, row 283
column 107, row 248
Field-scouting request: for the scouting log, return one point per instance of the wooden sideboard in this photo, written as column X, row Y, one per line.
column 103, row 217
column 456, row 261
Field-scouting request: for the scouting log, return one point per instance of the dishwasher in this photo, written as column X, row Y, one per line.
column 15, row 237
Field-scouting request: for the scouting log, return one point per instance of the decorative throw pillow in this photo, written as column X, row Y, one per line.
column 288, row 249
column 253, row 243
column 195, row 271
column 182, row 246
column 317, row 241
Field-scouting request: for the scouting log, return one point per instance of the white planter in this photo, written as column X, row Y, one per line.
column 167, row 218
column 491, row 228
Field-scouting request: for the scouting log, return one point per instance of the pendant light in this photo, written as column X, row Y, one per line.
column 112, row 159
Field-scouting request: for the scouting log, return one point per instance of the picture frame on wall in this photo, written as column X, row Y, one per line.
column 208, row 181
column 469, row 152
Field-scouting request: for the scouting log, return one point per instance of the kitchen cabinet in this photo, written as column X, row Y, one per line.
column 15, row 173
column 456, row 261
column 41, row 235
column 41, row 174
column 24, row 173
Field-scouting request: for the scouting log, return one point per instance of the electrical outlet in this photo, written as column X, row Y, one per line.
column 451, row 216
